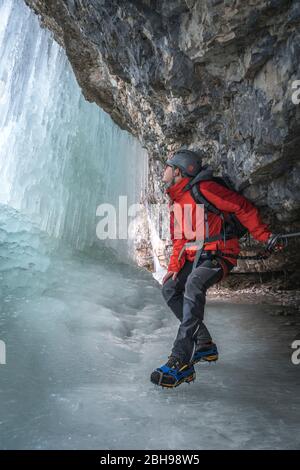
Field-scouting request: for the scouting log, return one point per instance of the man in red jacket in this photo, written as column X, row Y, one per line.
column 184, row 285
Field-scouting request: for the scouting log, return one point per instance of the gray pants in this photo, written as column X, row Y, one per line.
column 186, row 297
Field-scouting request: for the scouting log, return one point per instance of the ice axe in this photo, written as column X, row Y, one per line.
column 283, row 237
column 274, row 239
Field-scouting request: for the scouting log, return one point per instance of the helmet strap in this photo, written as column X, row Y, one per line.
column 173, row 176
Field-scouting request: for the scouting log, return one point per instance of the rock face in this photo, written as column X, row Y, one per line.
column 220, row 75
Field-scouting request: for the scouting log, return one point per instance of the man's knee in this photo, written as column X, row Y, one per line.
column 200, row 279
column 195, row 287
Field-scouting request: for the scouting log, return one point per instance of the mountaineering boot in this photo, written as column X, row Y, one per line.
column 205, row 353
column 173, row 373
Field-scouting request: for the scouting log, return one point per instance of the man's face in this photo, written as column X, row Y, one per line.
column 168, row 174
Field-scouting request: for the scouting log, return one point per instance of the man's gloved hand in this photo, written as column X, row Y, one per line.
column 275, row 243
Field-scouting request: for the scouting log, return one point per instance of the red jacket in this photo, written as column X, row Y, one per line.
column 224, row 199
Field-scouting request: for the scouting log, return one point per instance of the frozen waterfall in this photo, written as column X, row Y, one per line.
column 60, row 157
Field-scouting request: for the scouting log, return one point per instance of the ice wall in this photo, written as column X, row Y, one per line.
column 60, row 156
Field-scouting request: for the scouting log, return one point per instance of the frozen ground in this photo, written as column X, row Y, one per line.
column 83, row 334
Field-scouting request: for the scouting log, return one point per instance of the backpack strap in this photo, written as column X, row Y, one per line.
column 198, row 197
column 227, row 225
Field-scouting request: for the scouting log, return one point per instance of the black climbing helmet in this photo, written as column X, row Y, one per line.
column 189, row 162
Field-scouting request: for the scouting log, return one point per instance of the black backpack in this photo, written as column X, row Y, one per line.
column 232, row 227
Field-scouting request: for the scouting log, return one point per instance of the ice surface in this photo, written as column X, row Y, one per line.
column 84, row 331
column 82, row 338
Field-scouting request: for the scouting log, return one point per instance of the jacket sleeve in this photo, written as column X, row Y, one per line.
column 175, row 265
column 231, row 201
